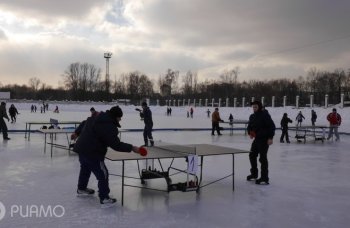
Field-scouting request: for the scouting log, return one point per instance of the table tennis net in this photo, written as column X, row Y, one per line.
column 180, row 149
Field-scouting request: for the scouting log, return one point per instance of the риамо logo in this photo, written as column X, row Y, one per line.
column 32, row 211
column 2, row 211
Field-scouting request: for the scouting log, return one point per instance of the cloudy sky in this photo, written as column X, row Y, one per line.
column 265, row 39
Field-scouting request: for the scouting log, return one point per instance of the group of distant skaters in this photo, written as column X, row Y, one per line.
column 334, row 119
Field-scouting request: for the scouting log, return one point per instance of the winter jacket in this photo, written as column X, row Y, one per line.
column 13, row 111
column 300, row 117
column 146, row 114
column 313, row 117
column 3, row 113
column 261, row 125
column 284, row 122
column 98, row 133
column 215, row 117
column 334, row 118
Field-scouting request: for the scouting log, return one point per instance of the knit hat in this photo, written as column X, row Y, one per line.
column 144, row 104
column 116, row 112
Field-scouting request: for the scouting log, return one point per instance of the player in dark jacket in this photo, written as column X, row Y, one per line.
column 3, row 126
column 313, row 117
column 99, row 132
column 261, row 128
column 13, row 112
column 146, row 115
column 284, row 126
column 299, row 118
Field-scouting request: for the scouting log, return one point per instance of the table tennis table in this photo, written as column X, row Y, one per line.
column 52, row 133
column 232, row 123
column 316, row 132
column 169, row 152
column 29, row 124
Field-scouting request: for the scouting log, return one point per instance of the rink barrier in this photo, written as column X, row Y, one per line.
column 171, row 129
column 141, row 129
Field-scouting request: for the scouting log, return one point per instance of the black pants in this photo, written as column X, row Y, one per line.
column 147, row 133
column 99, row 169
column 13, row 118
column 215, row 126
column 259, row 147
column 284, row 134
column 3, row 128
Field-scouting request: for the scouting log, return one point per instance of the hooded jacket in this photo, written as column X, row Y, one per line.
column 261, row 125
column 99, row 133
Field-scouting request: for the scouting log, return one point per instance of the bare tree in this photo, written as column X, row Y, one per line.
column 94, row 77
column 190, row 81
column 71, row 76
column 34, row 83
column 85, row 77
column 230, row 76
column 145, row 86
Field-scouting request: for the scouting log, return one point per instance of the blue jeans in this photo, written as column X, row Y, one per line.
column 335, row 129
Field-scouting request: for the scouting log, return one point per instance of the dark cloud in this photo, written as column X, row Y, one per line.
column 265, row 26
column 51, row 8
column 270, row 38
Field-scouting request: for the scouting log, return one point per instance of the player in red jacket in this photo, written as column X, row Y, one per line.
column 334, row 120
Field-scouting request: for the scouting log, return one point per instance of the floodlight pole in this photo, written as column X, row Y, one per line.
column 107, row 56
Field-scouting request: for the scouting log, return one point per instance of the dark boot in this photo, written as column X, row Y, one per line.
column 252, row 177
column 262, row 181
column 146, row 143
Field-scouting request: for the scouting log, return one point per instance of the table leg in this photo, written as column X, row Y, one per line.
column 25, row 133
column 201, row 174
column 45, row 144
column 51, row 143
column 123, row 182
column 29, row 125
column 68, row 143
column 233, row 172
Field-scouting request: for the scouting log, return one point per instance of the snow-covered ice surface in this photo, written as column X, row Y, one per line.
column 309, row 183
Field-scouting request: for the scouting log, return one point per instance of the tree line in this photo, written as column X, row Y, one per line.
column 84, row 82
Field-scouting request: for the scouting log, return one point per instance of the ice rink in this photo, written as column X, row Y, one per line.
column 309, row 183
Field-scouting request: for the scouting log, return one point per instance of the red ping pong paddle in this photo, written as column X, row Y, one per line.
column 252, row 134
column 143, row 151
